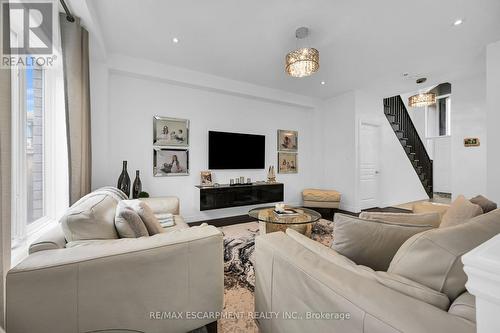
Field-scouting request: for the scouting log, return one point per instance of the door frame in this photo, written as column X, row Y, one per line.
column 374, row 123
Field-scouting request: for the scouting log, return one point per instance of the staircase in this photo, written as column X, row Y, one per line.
column 397, row 115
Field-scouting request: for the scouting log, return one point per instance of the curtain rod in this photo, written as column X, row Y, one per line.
column 69, row 16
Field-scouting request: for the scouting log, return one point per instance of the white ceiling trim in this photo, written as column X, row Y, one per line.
column 136, row 67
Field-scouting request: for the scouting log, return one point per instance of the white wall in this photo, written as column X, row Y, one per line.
column 126, row 134
column 468, row 119
column 493, row 111
column 442, row 167
column 339, row 150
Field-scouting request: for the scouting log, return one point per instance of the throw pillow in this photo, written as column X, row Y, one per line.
column 432, row 218
column 429, row 207
column 460, row 211
column 147, row 216
column 371, row 243
column 433, row 258
column 486, row 204
column 128, row 223
column 91, row 217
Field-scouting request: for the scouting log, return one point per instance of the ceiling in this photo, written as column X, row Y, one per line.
column 361, row 43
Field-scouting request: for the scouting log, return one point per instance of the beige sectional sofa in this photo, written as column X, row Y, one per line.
column 313, row 288
column 117, row 285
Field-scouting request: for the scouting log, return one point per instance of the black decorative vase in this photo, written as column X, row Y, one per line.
column 137, row 187
column 124, row 180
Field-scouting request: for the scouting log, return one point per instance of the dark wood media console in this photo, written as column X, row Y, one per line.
column 225, row 196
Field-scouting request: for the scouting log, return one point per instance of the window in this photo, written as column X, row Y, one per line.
column 29, row 152
column 39, row 148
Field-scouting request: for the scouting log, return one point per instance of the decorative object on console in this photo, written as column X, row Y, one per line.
column 124, row 180
column 287, row 162
column 143, row 195
column 471, row 142
column 170, row 131
column 206, row 178
column 287, row 140
column 271, row 175
column 170, row 162
column 137, row 187
column 303, row 61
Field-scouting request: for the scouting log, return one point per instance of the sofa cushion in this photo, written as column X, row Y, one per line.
column 413, row 289
column 461, row 210
column 320, row 195
column 330, row 254
column 147, row 215
column 431, row 218
column 464, row 306
column 429, row 207
column 486, row 204
column 91, row 217
column 128, row 223
column 371, row 243
column 432, row 258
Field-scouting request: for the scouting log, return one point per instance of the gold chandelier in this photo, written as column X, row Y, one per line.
column 422, row 99
column 302, row 61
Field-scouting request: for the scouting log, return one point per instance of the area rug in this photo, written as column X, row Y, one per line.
column 239, row 275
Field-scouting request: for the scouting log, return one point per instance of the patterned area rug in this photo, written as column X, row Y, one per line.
column 239, row 275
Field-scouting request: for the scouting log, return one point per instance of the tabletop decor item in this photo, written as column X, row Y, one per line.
column 170, row 131
column 170, row 162
column 124, row 180
column 206, row 178
column 137, row 186
column 143, row 195
column 271, row 175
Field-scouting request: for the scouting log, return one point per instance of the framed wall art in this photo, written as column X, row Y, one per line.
column 288, row 140
column 287, row 162
column 170, row 132
column 170, row 162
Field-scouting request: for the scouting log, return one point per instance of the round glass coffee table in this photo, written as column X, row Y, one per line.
column 301, row 222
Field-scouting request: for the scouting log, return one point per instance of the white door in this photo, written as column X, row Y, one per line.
column 369, row 138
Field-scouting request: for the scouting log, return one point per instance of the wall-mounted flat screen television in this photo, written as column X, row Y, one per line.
column 236, row 151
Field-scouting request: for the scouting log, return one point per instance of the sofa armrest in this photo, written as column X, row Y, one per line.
column 291, row 278
column 51, row 240
column 120, row 284
column 162, row 205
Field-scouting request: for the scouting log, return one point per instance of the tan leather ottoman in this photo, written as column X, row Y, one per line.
column 317, row 198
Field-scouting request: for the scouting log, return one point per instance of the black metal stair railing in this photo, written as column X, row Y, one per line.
column 397, row 115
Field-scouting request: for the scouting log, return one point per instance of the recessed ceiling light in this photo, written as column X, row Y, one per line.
column 458, row 22
column 175, row 40
column 323, row 82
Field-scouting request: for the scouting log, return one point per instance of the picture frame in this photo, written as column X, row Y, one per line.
column 288, row 140
column 206, row 178
column 169, row 162
column 287, row 163
column 472, row 142
column 170, row 132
